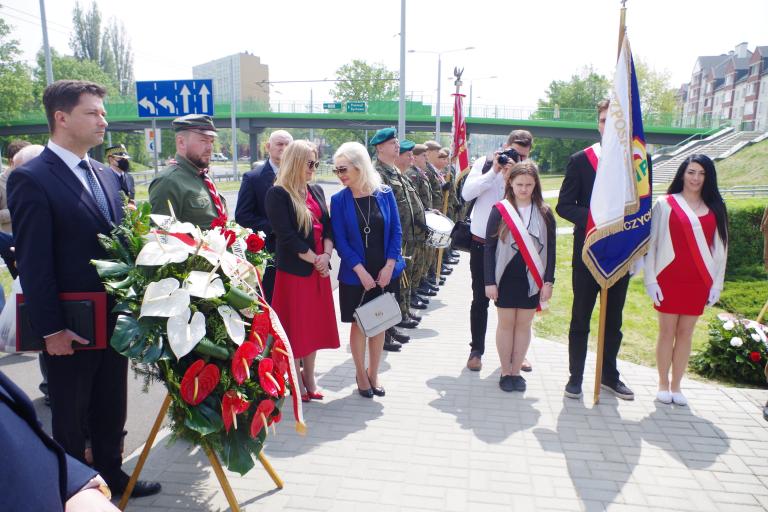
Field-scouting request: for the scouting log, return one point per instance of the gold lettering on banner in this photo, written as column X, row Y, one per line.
column 619, row 122
column 638, row 222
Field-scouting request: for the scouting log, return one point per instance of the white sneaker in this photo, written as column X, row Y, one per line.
column 664, row 396
column 679, row 399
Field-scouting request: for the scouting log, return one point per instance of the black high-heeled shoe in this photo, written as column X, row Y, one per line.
column 365, row 393
column 378, row 391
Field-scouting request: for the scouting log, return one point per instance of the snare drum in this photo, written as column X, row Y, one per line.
column 439, row 229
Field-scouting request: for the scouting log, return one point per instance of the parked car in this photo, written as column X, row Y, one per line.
column 218, row 157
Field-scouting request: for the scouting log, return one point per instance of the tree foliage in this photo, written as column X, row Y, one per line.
column 66, row 67
column 581, row 91
column 87, row 41
column 657, row 96
column 360, row 81
column 15, row 79
column 119, row 45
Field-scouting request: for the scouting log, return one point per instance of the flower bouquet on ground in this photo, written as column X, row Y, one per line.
column 737, row 350
column 191, row 314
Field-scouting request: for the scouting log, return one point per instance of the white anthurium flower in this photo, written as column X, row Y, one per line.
column 234, row 267
column 759, row 331
column 214, row 245
column 728, row 325
column 736, row 342
column 168, row 223
column 163, row 249
column 234, row 323
column 183, row 335
column 164, row 298
column 206, row 285
column 755, row 337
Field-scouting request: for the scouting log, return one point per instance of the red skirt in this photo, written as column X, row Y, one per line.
column 305, row 308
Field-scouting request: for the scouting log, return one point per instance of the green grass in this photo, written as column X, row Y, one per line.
column 747, row 167
column 551, row 181
column 640, row 326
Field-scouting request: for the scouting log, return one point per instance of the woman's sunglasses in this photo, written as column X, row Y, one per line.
column 313, row 165
column 338, row 171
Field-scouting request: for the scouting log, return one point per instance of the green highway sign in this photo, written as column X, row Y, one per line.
column 335, row 105
column 356, row 106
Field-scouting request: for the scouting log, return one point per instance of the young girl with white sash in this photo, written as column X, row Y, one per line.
column 685, row 265
column 519, row 266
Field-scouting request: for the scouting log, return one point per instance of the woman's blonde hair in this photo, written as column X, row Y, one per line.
column 292, row 178
column 370, row 180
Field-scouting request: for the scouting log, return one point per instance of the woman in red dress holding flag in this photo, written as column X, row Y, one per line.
column 685, row 265
column 519, row 266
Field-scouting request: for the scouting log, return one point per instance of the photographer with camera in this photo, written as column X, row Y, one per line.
column 485, row 187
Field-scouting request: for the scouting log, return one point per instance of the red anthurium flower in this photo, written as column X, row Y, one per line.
column 267, row 381
column 279, row 355
column 198, row 382
column 232, row 404
column 242, row 360
column 260, row 421
column 260, row 327
column 230, row 235
column 254, row 242
column 219, row 222
column 755, row 356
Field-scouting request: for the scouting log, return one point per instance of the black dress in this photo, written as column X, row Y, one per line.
column 350, row 294
column 513, row 288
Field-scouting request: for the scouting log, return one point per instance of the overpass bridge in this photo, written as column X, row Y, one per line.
column 253, row 118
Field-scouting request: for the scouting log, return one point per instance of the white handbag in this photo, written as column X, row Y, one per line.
column 378, row 315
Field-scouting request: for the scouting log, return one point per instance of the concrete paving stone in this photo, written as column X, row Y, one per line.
column 732, row 497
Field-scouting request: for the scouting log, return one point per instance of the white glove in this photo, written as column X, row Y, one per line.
column 714, row 296
column 654, row 292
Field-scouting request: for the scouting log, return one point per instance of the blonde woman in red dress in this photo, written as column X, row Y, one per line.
column 685, row 265
column 302, row 297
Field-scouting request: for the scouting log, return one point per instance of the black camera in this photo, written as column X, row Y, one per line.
column 507, row 155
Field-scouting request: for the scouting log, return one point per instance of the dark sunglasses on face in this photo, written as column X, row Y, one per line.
column 338, row 171
column 313, row 165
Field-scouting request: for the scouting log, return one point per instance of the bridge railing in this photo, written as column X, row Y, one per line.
column 125, row 109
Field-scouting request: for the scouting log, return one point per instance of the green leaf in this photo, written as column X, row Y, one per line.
column 111, row 268
column 153, row 353
column 126, row 331
column 122, row 307
column 238, row 448
column 204, row 418
column 119, row 285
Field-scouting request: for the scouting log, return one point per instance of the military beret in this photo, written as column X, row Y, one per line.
column 419, row 149
column 199, row 123
column 406, row 145
column 432, row 145
column 383, row 135
column 117, row 151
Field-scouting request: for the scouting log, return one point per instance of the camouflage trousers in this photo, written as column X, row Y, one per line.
column 415, row 254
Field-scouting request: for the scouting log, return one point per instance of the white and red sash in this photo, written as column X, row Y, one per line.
column 524, row 242
column 694, row 237
column 593, row 155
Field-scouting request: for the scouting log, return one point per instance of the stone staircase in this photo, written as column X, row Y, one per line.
column 665, row 170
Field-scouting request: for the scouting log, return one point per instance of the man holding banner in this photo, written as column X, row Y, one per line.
column 606, row 193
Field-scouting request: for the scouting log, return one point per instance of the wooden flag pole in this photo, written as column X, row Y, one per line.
column 600, row 344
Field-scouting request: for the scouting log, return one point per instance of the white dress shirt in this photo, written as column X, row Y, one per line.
column 73, row 162
column 487, row 189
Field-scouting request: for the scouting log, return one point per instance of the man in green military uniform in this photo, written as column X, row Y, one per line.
column 185, row 185
column 387, row 150
column 438, row 185
column 417, row 173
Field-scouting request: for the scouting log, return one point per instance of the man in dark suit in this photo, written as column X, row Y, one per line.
column 60, row 202
column 120, row 162
column 250, row 211
column 573, row 205
column 35, row 471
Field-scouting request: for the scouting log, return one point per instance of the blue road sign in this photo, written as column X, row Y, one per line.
column 173, row 98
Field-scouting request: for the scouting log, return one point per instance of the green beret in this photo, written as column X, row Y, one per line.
column 199, row 123
column 406, row 145
column 118, row 151
column 383, row 135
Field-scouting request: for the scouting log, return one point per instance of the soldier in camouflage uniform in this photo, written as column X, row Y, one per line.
column 185, row 185
column 419, row 176
column 438, row 185
column 387, row 150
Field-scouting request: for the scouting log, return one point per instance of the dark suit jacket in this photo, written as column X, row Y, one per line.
column 251, row 209
column 128, row 185
column 56, row 224
column 290, row 241
column 35, row 472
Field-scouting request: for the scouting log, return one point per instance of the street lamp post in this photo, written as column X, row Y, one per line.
column 439, row 71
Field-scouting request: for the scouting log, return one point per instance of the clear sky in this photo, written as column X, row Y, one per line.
column 525, row 44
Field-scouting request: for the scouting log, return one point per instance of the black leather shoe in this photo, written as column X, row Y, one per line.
column 407, row 324
column 450, row 261
column 426, row 291
column 390, row 345
column 414, row 316
column 141, row 489
column 442, row 281
column 454, row 253
column 446, row 271
column 422, row 299
column 417, row 304
column 398, row 336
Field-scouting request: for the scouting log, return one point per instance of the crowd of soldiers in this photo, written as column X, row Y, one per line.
column 422, row 180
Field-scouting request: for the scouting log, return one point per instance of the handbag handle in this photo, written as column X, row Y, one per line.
column 363, row 296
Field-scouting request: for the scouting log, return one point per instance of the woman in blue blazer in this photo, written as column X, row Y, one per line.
column 366, row 229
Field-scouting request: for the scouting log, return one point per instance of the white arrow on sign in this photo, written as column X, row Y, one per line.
column 144, row 102
column 204, row 92
column 185, row 97
column 167, row 104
